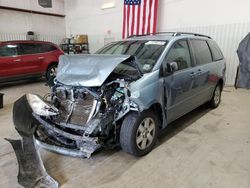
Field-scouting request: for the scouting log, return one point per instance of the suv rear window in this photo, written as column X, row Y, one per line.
column 216, row 52
column 201, row 52
column 147, row 52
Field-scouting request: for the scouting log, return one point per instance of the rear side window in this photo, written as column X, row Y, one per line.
column 216, row 52
column 179, row 53
column 25, row 49
column 8, row 50
column 46, row 48
column 202, row 52
column 30, row 48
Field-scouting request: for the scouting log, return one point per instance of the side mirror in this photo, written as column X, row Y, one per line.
column 168, row 68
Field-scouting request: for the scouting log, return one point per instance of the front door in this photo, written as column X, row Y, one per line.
column 179, row 86
column 10, row 62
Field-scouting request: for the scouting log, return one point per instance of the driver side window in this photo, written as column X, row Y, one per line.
column 179, row 53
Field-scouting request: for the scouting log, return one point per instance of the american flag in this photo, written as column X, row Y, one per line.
column 139, row 17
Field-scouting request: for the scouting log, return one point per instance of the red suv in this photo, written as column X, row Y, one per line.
column 28, row 59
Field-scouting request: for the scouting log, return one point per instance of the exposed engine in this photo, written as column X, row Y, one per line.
column 78, row 106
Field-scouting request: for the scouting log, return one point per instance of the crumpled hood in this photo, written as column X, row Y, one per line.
column 87, row 70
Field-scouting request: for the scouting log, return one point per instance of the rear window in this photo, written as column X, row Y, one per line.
column 216, row 52
column 201, row 52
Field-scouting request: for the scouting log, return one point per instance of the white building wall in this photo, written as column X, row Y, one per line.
column 14, row 24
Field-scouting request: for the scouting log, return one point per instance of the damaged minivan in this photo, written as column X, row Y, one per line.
column 124, row 94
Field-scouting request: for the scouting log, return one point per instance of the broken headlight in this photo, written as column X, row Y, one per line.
column 39, row 107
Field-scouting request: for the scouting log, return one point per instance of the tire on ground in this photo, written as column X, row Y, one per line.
column 49, row 78
column 129, row 129
column 213, row 103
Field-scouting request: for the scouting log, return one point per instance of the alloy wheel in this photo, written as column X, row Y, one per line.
column 217, row 94
column 53, row 72
column 145, row 133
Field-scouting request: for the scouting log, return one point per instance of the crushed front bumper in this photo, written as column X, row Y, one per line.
column 84, row 146
column 87, row 151
column 64, row 139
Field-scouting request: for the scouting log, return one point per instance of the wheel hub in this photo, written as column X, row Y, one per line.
column 217, row 95
column 145, row 133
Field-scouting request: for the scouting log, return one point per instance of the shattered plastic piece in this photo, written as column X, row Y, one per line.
column 32, row 173
column 89, row 148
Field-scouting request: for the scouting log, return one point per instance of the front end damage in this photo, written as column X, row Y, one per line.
column 77, row 119
column 82, row 120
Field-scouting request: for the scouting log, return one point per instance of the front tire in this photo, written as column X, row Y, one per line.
column 216, row 99
column 139, row 133
column 51, row 74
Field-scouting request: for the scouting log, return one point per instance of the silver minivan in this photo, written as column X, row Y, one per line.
column 124, row 94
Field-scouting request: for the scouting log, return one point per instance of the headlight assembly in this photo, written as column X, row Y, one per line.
column 39, row 107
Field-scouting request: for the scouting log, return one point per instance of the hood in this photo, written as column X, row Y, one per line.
column 87, row 70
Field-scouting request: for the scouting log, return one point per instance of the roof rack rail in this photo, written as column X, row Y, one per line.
column 172, row 33
column 187, row 33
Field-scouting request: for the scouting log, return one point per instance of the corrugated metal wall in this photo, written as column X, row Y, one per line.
column 22, row 36
column 228, row 37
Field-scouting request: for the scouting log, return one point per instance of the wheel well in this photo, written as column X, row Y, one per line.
column 156, row 107
column 221, row 82
column 53, row 63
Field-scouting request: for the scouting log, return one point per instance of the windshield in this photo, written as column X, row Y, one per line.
column 147, row 52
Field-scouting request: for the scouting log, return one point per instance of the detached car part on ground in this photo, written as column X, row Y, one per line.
column 108, row 100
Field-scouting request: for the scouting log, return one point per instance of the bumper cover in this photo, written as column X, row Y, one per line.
column 87, row 145
column 86, row 153
column 28, row 123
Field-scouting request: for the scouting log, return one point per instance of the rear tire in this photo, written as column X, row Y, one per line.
column 139, row 133
column 51, row 74
column 216, row 99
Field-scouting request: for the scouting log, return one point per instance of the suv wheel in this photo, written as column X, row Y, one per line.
column 216, row 99
column 139, row 133
column 51, row 74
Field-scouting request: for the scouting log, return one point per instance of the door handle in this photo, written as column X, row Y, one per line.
column 40, row 57
column 199, row 72
column 192, row 74
column 17, row 60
